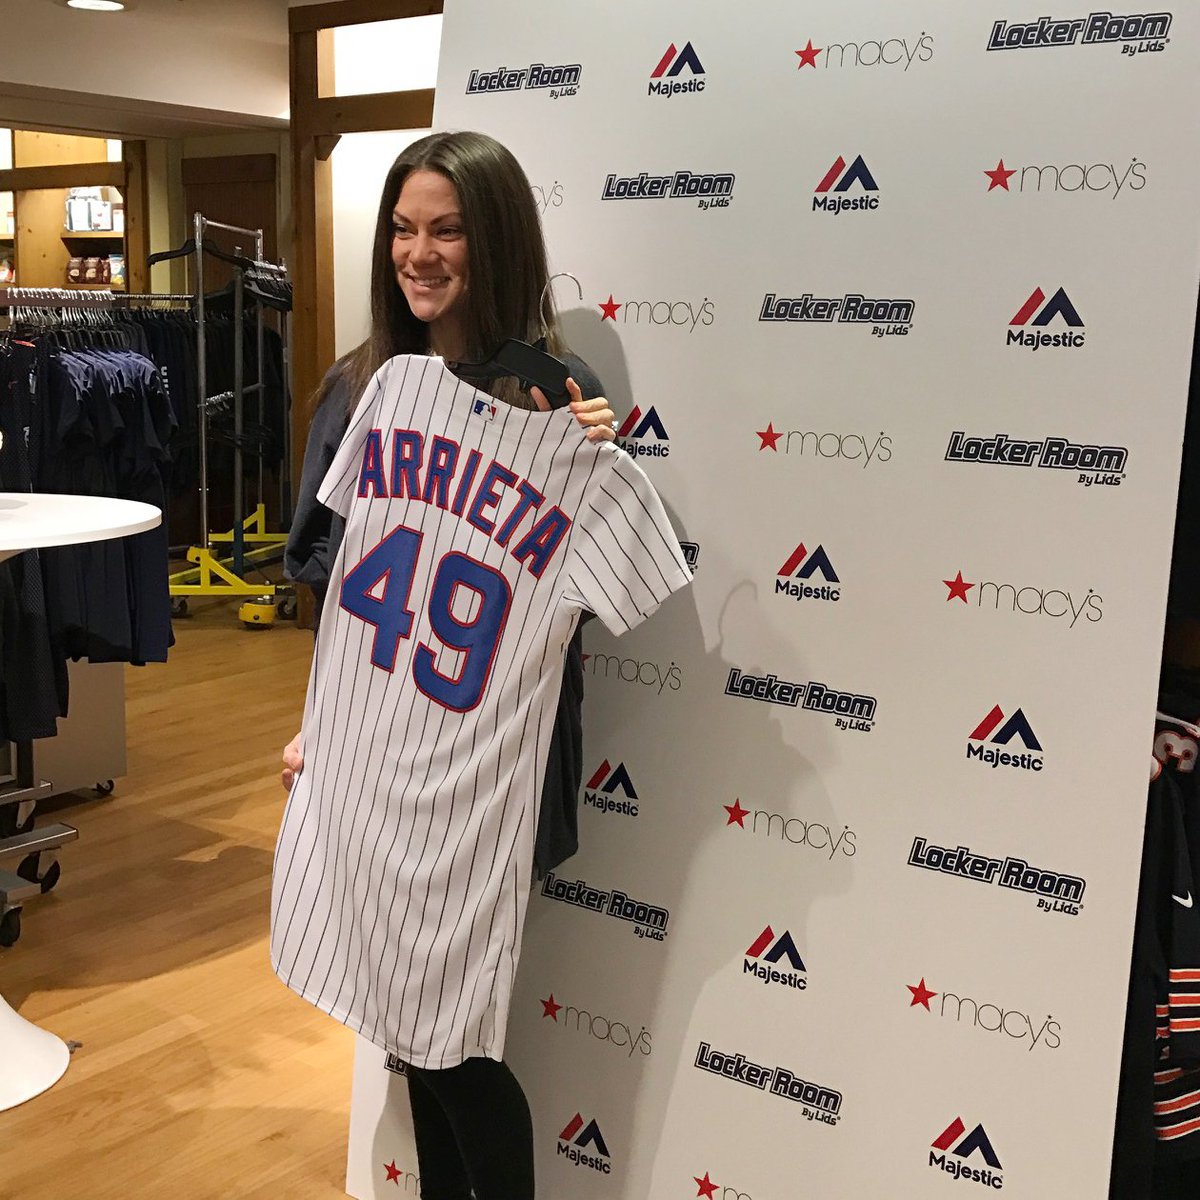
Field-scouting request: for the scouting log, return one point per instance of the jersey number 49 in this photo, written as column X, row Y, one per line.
column 377, row 591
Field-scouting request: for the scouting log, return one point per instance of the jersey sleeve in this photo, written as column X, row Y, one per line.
column 625, row 558
column 340, row 484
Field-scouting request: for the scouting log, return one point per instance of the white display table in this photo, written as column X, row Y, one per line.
column 31, row 1060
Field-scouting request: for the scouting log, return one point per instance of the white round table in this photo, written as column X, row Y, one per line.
column 34, row 1060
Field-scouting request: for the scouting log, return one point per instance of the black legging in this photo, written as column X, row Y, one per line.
column 473, row 1131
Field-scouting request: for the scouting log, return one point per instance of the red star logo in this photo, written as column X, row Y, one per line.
column 393, row 1173
column 737, row 814
column 706, row 1186
column 769, row 438
column 921, row 995
column 808, row 56
column 609, row 310
column 550, row 1009
column 958, row 588
column 999, row 177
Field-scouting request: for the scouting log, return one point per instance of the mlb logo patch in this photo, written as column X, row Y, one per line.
column 484, row 408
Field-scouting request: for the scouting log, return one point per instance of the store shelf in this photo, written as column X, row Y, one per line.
column 94, row 287
column 92, row 235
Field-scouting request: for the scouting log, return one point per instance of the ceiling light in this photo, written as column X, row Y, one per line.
column 98, row 5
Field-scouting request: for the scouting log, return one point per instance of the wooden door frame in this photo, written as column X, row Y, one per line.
column 319, row 118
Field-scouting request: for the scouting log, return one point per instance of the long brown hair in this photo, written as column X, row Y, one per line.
column 506, row 262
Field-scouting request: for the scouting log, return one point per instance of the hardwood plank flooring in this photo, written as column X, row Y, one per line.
column 200, row 1074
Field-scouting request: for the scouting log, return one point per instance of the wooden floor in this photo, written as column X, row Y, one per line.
column 200, row 1075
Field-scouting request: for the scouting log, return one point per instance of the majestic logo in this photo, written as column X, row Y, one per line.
column 764, row 960
column 598, row 791
column 709, row 190
column 994, row 730
column 1095, row 464
column 792, row 579
column 648, row 920
column 962, row 1147
column 632, row 670
column 889, row 52
column 1037, row 312
column 691, row 554
column 406, row 1180
column 1030, row 600
column 850, row 710
column 882, row 316
column 681, row 314
column 851, row 447
column 664, row 79
column 823, row 1104
column 1078, row 178
column 613, row 1033
column 793, row 830
column 548, row 197
column 576, row 1139
column 838, row 180
column 636, row 431
column 1014, row 1025
column 558, row 81
column 1055, row 891
column 1148, row 30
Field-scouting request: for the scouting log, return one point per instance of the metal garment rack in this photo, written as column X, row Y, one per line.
column 211, row 575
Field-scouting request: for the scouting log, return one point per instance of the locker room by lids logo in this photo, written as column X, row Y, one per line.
column 962, row 1146
column 1135, row 33
column 667, row 78
column 708, row 189
column 1016, row 1028
column 583, row 1145
column 775, row 961
column 1057, row 604
column 618, row 1034
column 882, row 317
column 801, row 575
column 830, row 194
column 691, row 555
column 406, row 1181
column 610, row 790
column 996, row 730
column 1092, row 464
column 687, row 315
column 1073, row 608
column 648, row 920
column 819, row 1103
column 1029, row 321
column 794, row 831
column 555, row 81
column 900, row 53
column 861, row 448
column 643, row 435
column 850, row 710
column 1079, row 179
column 1055, row 891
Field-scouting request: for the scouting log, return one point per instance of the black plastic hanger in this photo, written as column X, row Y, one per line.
column 532, row 366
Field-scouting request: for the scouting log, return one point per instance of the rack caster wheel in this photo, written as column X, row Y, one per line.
column 30, row 869
column 179, row 606
column 257, row 613
column 286, row 608
column 105, row 789
column 10, row 927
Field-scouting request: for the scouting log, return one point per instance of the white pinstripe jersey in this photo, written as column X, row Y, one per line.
column 475, row 535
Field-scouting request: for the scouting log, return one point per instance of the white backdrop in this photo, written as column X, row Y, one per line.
column 903, row 891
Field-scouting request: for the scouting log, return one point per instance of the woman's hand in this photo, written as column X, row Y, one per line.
column 293, row 762
column 594, row 415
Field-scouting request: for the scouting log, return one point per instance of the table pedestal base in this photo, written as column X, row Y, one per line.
column 31, row 1060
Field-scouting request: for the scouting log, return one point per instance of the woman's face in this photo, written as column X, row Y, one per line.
column 429, row 252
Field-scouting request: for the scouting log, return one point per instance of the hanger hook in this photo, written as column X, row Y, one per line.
column 546, row 295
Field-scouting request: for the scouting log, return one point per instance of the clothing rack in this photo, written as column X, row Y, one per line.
column 210, row 576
